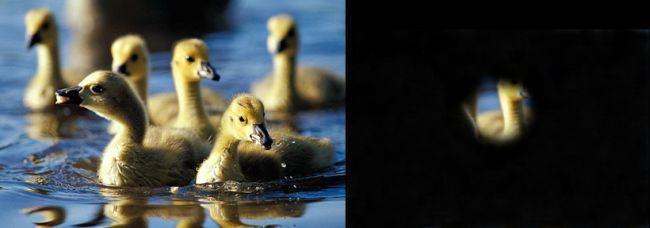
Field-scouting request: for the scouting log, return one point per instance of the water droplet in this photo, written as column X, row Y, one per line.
column 284, row 165
column 293, row 142
column 294, row 186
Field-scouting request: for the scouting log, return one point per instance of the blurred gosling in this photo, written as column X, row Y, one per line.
column 41, row 32
column 508, row 123
column 288, row 90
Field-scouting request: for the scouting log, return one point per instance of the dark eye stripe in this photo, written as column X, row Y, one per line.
column 134, row 57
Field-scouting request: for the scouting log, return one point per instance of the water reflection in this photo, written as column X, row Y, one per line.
column 54, row 123
column 96, row 23
column 52, row 215
column 134, row 211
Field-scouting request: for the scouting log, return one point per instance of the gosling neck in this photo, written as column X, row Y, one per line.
column 191, row 113
column 226, row 145
column 133, row 122
column 512, row 110
column 48, row 62
column 224, row 153
column 283, row 85
column 142, row 85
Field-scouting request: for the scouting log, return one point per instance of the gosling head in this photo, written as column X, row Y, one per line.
column 244, row 120
column 283, row 38
column 512, row 89
column 40, row 28
column 102, row 92
column 190, row 61
column 130, row 56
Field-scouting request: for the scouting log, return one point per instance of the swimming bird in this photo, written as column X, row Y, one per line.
column 189, row 65
column 41, row 32
column 508, row 123
column 243, row 150
column 139, row 154
column 288, row 89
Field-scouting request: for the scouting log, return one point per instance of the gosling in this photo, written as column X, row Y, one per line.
column 507, row 124
column 189, row 65
column 139, row 154
column 286, row 90
column 41, row 32
column 243, row 150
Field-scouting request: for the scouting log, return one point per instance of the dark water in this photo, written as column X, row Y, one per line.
column 56, row 175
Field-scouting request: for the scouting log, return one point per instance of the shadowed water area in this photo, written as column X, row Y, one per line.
column 48, row 160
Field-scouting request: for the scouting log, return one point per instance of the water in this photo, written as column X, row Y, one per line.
column 56, row 177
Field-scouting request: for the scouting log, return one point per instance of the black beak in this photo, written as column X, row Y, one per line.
column 208, row 72
column 122, row 69
column 35, row 39
column 69, row 96
column 282, row 46
column 261, row 136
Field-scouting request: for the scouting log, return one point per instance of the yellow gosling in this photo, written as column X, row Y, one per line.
column 189, row 65
column 139, row 154
column 41, row 32
column 287, row 89
column 131, row 59
column 243, row 150
column 507, row 124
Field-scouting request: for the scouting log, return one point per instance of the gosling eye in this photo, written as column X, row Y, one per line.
column 134, row 57
column 241, row 119
column 97, row 89
column 45, row 26
column 189, row 59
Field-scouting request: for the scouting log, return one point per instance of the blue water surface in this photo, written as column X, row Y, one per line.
column 57, row 173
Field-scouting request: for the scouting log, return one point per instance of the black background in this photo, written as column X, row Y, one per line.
column 412, row 159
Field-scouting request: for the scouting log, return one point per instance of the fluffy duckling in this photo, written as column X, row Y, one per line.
column 237, row 154
column 41, row 32
column 189, row 65
column 288, row 90
column 131, row 59
column 507, row 124
column 138, row 155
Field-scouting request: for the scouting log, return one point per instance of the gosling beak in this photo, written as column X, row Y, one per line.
column 261, row 136
column 68, row 96
column 206, row 71
column 33, row 40
column 281, row 46
column 122, row 69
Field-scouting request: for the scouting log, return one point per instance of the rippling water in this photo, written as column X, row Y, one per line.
column 54, row 178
